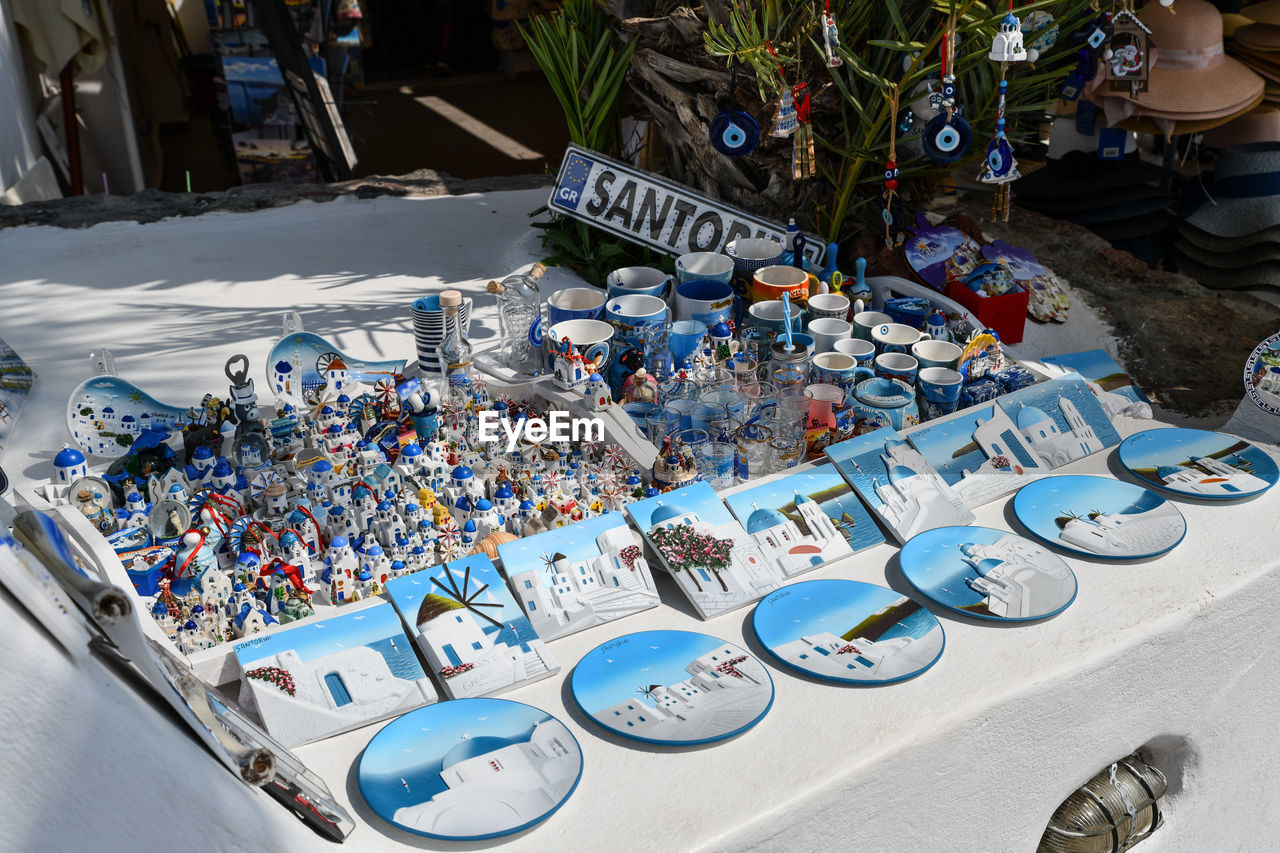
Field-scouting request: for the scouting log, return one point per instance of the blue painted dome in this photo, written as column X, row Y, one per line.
column 327, row 410
column 365, row 575
column 239, row 587
column 283, row 367
column 1029, row 416
column 398, row 566
column 385, row 506
column 343, row 398
column 899, row 473
column 527, row 504
column 107, row 410
column 483, row 505
column 288, row 539
column 651, row 492
column 721, row 330
column 133, row 497
column 469, row 527
column 338, row 542
column 666, row 512
column 374, row 551
column 248, row 558
column 504, row 492
column 335, row 511
column 322, row 466
column 462, row 472
column 799, row 499
column 1168, row 471
column 763, row 519
column 411, row 451
column 891, row 443
column 189, row 626
column 158, row 609
column 201, row 453
column 68, row 457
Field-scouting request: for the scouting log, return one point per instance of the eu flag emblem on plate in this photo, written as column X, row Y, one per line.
column 572, row 181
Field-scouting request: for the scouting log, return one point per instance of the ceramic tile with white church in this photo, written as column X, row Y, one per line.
column 805, row 519
column 1099, row 517
column 713, row 560
column 1059, row 421
column 470, row 769
column 580, row 575
column 980, row 453
column 16, row 379
column 1099, row 368
column 988, row 573
column 898, row 483
column 848, row 631
column 305, row 366
column 474, row 635
column 1198, row 463
column 317, row 679
column 675, row 688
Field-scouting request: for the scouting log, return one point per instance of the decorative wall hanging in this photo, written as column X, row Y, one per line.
column 1128, row 53
column 1262, row 375
column 830, row 37
column 947, row 136
column 1099, row 517
column 733, row 132
column 1198, row 463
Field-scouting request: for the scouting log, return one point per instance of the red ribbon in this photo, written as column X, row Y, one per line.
column 292, row 572
column 802, row 103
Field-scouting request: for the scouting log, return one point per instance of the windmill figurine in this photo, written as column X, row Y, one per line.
column 450, row 588
column 785, row 122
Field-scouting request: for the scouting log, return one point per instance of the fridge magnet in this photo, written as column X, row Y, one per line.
column 577, row 576
column 1060, row 420
column 106, row 413
column 674, row 688
column 16, row 379
column 314, row 680
column 980, row 453
column 1198, row 463
column 988, row 574
column 1099, row 517
column 304, row 366
column 716, row 564
column 469, row 627
column 470, row 770
column 898, row 484
column 848, row 631
column 806, row 519
column 1262, row 375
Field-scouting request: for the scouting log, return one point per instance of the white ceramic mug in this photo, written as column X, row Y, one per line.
column 937, row 354
column 865, row 321
column 863, row 352
column 638, row 280
column 896, row 337
column 709, row 265
column 829, row 305
column 827, row 331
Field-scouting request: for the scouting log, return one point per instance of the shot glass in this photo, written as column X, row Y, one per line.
column 752, row 457
column 716, row 463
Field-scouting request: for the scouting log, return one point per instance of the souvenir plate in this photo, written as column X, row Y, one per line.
column 1198, row 463
column 848, row 631
column 470, row 769
column 303, row 365
column 674, row 688
column 988, row 574
column 1262, row 375
column 1099, row 517
column 106, row 413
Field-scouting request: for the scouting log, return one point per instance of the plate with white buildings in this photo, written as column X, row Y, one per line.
column 674, row 688
column 988, row 573
column 574, row 577
column 470, row 769
column 848, row 631
column 1099, row 517
column 1198, row 463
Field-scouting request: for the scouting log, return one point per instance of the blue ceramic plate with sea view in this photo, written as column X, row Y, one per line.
column 1198, row 463
column 1099, row 517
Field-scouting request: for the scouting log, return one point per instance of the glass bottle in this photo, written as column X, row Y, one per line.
column 455, row 349
column 520, row 312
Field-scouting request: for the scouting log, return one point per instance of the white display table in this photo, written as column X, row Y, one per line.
column 1177, row 653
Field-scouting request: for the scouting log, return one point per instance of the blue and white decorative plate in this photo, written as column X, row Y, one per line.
column 1198, row 463
column 988, row 573
column 1099, row 517
column 106, row 413
column 302, row 365
column 674, row 688
column 848, row 631
column 1262, row 375
column 470, row 769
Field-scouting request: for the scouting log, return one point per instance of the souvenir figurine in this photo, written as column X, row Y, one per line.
column 831, row 38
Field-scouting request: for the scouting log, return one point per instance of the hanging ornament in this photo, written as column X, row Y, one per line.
column 733, row 132
column 831, row 38
column 1000, row 168
column 1042, row 29
column 1007, row 45
column 804, row 161
column 1128, row 53
column 889, row 206
column 784, row 120
column 947, row 136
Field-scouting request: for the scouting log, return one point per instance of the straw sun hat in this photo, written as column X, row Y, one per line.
column 1244, row 197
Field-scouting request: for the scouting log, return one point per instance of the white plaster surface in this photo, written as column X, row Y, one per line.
column 974, row 755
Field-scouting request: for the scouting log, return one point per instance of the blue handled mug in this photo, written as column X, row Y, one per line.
column 685, row 339
column 638, row 281
column 575, row 303
column 939, row 389
column 839, row 369
column 704, row 300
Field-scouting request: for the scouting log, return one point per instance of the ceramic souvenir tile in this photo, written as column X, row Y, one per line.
column 805, row 519
column 577, row 576
column 470, row 769
column 106, row 413
column 716, row 564
column 988, row 573
column 848, row 631
column 898, row 484
column 1198, row 463
column 1101, row 370
column 314, row 680
column 16, row 379
column 473, row 633
column 302, row 365
column 980, row 453
column 1059, row 421
column 1099, row 517
column 675, row 688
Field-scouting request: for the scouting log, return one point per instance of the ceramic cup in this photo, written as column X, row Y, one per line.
column 685, row 339
column 834, row 305
column 863, row 352
column 645, row 281
column 711, row 266
column 627, row 314
column 750, row 254
column 939, row 390
column 827, row 332
column 836, row 368
column 895, row 337
column 575, row 303
column 768, row 315
column 897, row 365
column 704, row 300
column 590, row 338
column 937, row 354
column 865, row 321
column 773, row 281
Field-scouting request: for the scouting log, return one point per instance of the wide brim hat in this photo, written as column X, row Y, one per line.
column 1259, row 253
column 1133, row 228
column 1164, row 124
column 1191, row 77
column 1245, row 194
column 1244, row 278
column 1260, row 124
column 1145, row 204
column 1076, row 180
column 1223, row 245
column 1264, row 37
column 1079, row 207
column 1264, row 13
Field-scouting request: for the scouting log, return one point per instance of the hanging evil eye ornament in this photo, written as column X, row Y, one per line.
column 733, row 132
column 890, row 205
column 1000, row 168
column 946, row 138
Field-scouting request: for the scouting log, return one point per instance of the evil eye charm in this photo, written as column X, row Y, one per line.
column 891, row 174
column 999, row 157
column 945, row 142
column 734, row 133
column 948, row 90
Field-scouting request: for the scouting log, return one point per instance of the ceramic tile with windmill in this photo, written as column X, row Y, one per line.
column 474, row 635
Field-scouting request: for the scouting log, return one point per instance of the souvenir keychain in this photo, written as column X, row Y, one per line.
column 733, row 132
column 830, row 37
column 947, row 136
column 890, row 205
column 1000, row 167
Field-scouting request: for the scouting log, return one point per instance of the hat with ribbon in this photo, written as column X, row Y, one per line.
column 1244, row 196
